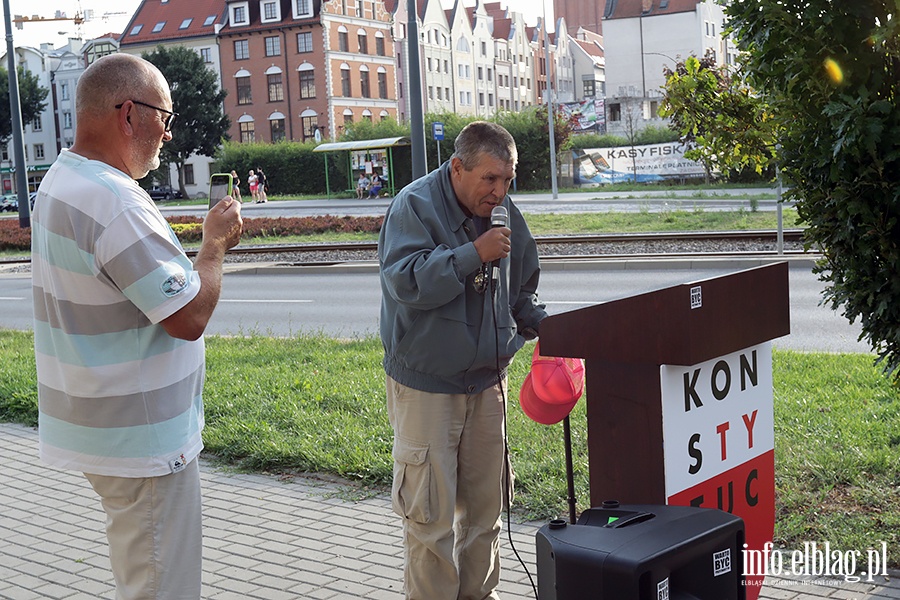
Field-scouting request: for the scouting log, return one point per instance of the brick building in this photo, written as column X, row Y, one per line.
column 294, row 67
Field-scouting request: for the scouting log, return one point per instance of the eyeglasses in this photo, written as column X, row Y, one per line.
column 167, row 121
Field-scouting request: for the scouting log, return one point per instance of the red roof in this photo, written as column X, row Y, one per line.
column 591, row 48
column 502, row 27
column 164, row 20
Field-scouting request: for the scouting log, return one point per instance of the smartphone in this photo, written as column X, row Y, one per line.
column 219, row 187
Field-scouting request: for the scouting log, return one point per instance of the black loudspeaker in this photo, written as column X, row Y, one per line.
column 642, row 552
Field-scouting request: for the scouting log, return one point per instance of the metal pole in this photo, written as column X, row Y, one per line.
column 779, row 210
column 414, row 89
column 570, row 469
column 15, row 110
column 550, row 108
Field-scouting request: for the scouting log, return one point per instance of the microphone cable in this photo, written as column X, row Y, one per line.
column 507, row 469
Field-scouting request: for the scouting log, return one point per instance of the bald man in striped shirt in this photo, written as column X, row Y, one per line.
column 119, row 316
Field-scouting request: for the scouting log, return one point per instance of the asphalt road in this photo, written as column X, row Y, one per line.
column 575, row 202
column 345, row 302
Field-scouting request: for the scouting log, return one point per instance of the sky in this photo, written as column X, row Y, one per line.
column 113, row 16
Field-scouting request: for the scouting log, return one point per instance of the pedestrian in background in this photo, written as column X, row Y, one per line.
column 119, row 315
column 446, row 356
column 236, row 186
column 253, row 182
column 263, row 183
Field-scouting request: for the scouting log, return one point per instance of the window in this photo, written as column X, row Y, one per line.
column 309, row 125
column 483, row 49
column 206, row 55
column 276, row 90
column 348, row 118
column 363, row 42
column 38, row 151
column 308, row 84
column 189, row 174
column 186, row 23
column 239, row 15
column 159, row 27
column 615, row 112
column 364, row 82
column 277, row 128
column 379, row 44
column 209, row 21
column 248, row 134
column 270, row 11
column 67, row 119
column 359, row 8
column 430, row 93
column 241, row 49
column 480, row 98
column 343, row 42
column 302, row 8
column 37, row 124
column 64, row 91
column 244, row 94
column 304, row 42
column 345, row 82
column 382, row 84
column 480, row 74
column 273, row 46
column 136, row 29
column 589, row 88
column 490, row 74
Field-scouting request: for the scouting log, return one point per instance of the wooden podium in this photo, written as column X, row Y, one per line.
column 649, row 446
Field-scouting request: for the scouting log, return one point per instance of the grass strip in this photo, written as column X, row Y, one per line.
column 313, row 404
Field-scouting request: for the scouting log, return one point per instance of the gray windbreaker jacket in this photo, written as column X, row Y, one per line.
column 438, row 332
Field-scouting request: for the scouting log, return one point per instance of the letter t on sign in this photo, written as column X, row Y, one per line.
column 696, row 297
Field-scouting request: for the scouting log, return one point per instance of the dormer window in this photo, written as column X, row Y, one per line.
column 302, row 9
column 270, row 11
column 239, row 14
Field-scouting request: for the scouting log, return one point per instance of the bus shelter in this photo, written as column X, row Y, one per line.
column 366, row 156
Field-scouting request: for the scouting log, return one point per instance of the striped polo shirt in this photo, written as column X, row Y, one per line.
column 117, row 395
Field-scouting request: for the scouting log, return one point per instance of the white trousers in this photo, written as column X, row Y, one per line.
column 448, row 487
column 154, row 533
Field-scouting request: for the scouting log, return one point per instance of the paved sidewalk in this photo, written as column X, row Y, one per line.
column 265, row 538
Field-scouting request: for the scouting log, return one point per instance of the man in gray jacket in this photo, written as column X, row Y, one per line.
column 450, row 328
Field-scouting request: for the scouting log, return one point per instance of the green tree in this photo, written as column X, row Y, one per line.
column 31, row 100
column 374, row 130
column 726, row 126
column 831, row 69
column 201, row 124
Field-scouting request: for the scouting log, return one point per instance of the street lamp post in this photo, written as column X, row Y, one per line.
column 21, row 172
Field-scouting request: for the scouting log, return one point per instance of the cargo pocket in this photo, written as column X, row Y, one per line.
column 411, row 490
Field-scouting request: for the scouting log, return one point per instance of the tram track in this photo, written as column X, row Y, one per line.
column 647, row 245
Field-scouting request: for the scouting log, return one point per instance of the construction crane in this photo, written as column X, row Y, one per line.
column 19, row 20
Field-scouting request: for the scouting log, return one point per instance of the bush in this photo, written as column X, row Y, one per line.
column 13, row 237
column 190, row 229
column 832, row 71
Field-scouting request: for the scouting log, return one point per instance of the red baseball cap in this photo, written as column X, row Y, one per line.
column 557, row 380
column 545, row 413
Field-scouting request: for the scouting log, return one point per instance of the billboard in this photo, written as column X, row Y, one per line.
column 645, row 163
column 586, row 115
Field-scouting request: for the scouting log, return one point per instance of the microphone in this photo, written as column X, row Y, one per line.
column 499, row 218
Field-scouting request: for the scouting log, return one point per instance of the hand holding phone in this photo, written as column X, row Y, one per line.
column 220, row 185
